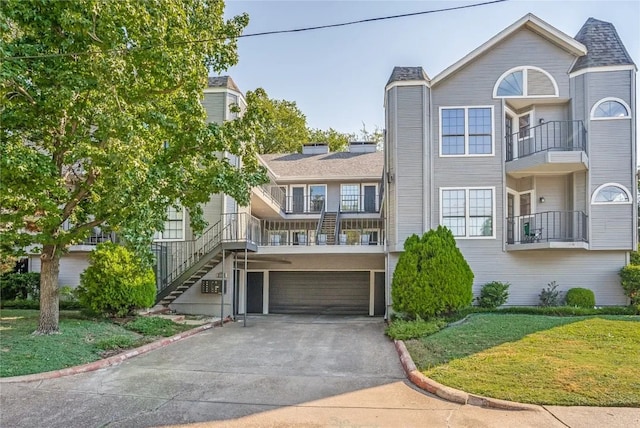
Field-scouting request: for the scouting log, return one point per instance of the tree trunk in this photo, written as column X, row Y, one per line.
column 49, row 309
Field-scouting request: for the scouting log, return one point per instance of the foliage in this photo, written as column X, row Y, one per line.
column 116, row 282
column 155, row 326
column 635, row 258
column 580, row 297
column 377, row 136
column 20, row 286
column 493, row 294
column 431, row 277
column 338, row 141
column 117, row 343
column 283, row 126
column 102, row 123
column 630, row 281
column 557, row 361
column 413, row 329
column 7, row 263
column 550, row 296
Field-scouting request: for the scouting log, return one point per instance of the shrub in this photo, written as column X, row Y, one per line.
column 550, row 296
column 635, row 258
column 493, row 294
column 116, row 343
column 431, row 277
column 154, row 326
column 115, row 284
column 404, row 330
column 580, row 297
column 20, row 286
column 630, row 281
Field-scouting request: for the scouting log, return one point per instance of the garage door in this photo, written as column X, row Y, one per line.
column 341, row 293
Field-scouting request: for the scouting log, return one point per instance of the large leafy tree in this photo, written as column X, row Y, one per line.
column 102, row 124
column 338, row 141
column 283, row 125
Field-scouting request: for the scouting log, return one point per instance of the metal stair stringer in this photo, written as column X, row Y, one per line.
column 190, row 276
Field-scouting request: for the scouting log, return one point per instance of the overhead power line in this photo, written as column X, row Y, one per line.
column 268, row 33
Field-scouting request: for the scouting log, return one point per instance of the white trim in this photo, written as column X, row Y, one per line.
column 602, row 186
column 603, row 69
column 604, row 100
column 308, row 197
column 219, row 89
column 407, row 83
column 289, row 201
column 533, row 23
column 525, row 83
column 375, row 195
column 466, row 132
column 184, row 230
column 466, row 210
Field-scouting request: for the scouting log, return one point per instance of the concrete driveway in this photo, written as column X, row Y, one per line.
column 278, row 371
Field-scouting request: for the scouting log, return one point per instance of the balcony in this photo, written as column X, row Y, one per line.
column 367, row 203
column 550, row 229
column 268, row 200
column 556, row 147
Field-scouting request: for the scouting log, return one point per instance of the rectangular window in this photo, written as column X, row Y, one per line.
column 466, row 131
column 173, row 226
column 468, row 212
column 349, row 197
column 317, row 196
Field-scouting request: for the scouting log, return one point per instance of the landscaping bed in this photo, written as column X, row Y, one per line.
column 81, row 340
column 569, row 360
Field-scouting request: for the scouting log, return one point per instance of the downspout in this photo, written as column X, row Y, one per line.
column 425, row 156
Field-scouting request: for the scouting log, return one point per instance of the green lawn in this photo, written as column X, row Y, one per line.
column 538, row 359
column 81, row 340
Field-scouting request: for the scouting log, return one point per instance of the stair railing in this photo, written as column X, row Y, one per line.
column 336, row 232
column 319, row 228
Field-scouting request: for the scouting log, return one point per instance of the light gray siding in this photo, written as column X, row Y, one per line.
column 580, row 191
column 391, row 148
column 71, row 266
column 612, row 227
column 215, row 106
column 410, row 152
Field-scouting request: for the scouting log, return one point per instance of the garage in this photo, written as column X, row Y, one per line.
column 339, row 293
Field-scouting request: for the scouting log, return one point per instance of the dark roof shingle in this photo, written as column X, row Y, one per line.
column 222, row 82
column 407, row 73
column 604, row 46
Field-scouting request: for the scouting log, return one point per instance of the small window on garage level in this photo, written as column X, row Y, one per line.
column 611, row 193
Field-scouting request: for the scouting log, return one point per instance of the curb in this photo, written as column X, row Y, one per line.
column 114, row 360
column 448, row 393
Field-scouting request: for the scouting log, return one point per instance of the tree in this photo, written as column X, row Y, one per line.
column 376, row 136
column 283, row 126
column 431, row 277
column 338, row 141
column 102, row 123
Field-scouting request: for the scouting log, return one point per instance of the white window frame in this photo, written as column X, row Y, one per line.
column 184, row 228
column 466, row 210
column 624, row 189
column 308, row 197
column 466, row 131
column 525, row 83
column 358, row 185
column 290, row 198
column 604, row 100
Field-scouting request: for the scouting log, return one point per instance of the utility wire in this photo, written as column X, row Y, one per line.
column 268, row 33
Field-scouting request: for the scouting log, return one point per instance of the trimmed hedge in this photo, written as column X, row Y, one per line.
column 35, row 304
column 20, row 286
column 630, row 281
column 580, row 297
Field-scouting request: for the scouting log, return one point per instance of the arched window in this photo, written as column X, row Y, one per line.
column 610, row 108
column 525, row 82
column 611, row 193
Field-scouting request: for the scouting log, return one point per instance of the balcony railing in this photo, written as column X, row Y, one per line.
column 305, row 232
column 307, row 204
column 359, row 203
column 273, row 193
column 97, row 235
column 555, row 135
column 550, row 226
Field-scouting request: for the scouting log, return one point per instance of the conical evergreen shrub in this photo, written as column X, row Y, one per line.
column 432, row 276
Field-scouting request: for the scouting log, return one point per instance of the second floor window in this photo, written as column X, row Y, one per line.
column 173, row 226
column 468, row 212
column 466, row 131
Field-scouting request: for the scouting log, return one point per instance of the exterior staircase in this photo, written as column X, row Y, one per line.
column 328, row 227
column 179, row 265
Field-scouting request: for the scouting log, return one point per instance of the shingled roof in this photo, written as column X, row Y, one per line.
column 222, row 82
column 339, row 165
column 407, row 73
column 604, row 46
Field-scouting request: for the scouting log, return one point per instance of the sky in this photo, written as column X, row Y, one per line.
column 337, row 76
